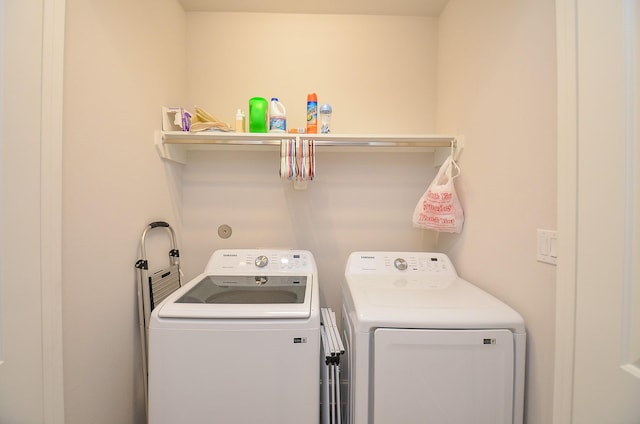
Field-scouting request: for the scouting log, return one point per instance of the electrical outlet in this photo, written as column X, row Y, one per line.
column 547, row 250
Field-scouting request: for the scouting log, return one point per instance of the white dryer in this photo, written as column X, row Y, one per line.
column 425, row 346
column 240, row 343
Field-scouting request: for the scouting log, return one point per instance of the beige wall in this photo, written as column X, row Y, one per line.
column 496, row 81
column 123, row 61
column 377, row 72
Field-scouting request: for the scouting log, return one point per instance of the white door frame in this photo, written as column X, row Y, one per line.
column 51, row 209
column 567, row 189
column 568, row 173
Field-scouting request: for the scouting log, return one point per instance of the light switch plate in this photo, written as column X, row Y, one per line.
column 547, row 247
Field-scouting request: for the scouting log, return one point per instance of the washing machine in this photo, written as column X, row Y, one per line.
column 240, row 343
column 425, row 346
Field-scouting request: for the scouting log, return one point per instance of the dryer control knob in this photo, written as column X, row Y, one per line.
column 400, row 264
column 261, row 261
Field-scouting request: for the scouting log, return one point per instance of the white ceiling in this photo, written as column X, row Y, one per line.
column 359, row 7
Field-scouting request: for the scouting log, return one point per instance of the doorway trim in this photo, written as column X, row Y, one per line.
column 53, row 22
column 567, row 169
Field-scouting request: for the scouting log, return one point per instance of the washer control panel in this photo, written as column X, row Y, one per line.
column 260, row 262
column 400, row 263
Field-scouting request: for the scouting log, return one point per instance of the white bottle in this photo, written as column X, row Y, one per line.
column 240, row 119
column 277, row 116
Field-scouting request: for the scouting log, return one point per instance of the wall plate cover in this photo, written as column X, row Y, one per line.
column 547, row 246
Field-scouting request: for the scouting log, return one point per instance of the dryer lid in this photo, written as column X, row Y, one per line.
column 419, row 290
column 383, row 302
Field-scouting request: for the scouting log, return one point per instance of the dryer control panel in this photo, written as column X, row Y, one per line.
column 400, row 263
column 260, row 262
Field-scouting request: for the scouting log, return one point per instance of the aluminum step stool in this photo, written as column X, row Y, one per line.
column 153, row 288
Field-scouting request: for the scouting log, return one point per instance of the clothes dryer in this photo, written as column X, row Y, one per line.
column 425, row 346
column 240, row 343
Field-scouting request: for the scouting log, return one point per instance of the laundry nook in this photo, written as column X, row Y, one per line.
column 303, row 212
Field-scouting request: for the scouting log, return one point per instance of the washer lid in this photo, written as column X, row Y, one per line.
column 384, row 293
column 241, row 296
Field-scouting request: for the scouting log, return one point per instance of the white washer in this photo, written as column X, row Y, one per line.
column 425, row 346
column 240, row 343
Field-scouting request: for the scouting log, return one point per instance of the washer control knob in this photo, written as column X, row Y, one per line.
column 400, row 264
column 261, row 261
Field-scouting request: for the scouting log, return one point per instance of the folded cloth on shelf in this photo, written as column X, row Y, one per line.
column 204, row 121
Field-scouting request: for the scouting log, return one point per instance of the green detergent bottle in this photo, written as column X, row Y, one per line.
column 258, row 108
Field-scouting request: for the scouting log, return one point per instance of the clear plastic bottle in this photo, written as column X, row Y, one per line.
column 240, row 119
column 325, row 118
column 277, row 116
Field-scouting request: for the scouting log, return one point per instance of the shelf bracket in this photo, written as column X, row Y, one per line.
column 170, row 152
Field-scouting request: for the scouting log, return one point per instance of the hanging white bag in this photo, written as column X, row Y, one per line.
column 439, row 208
